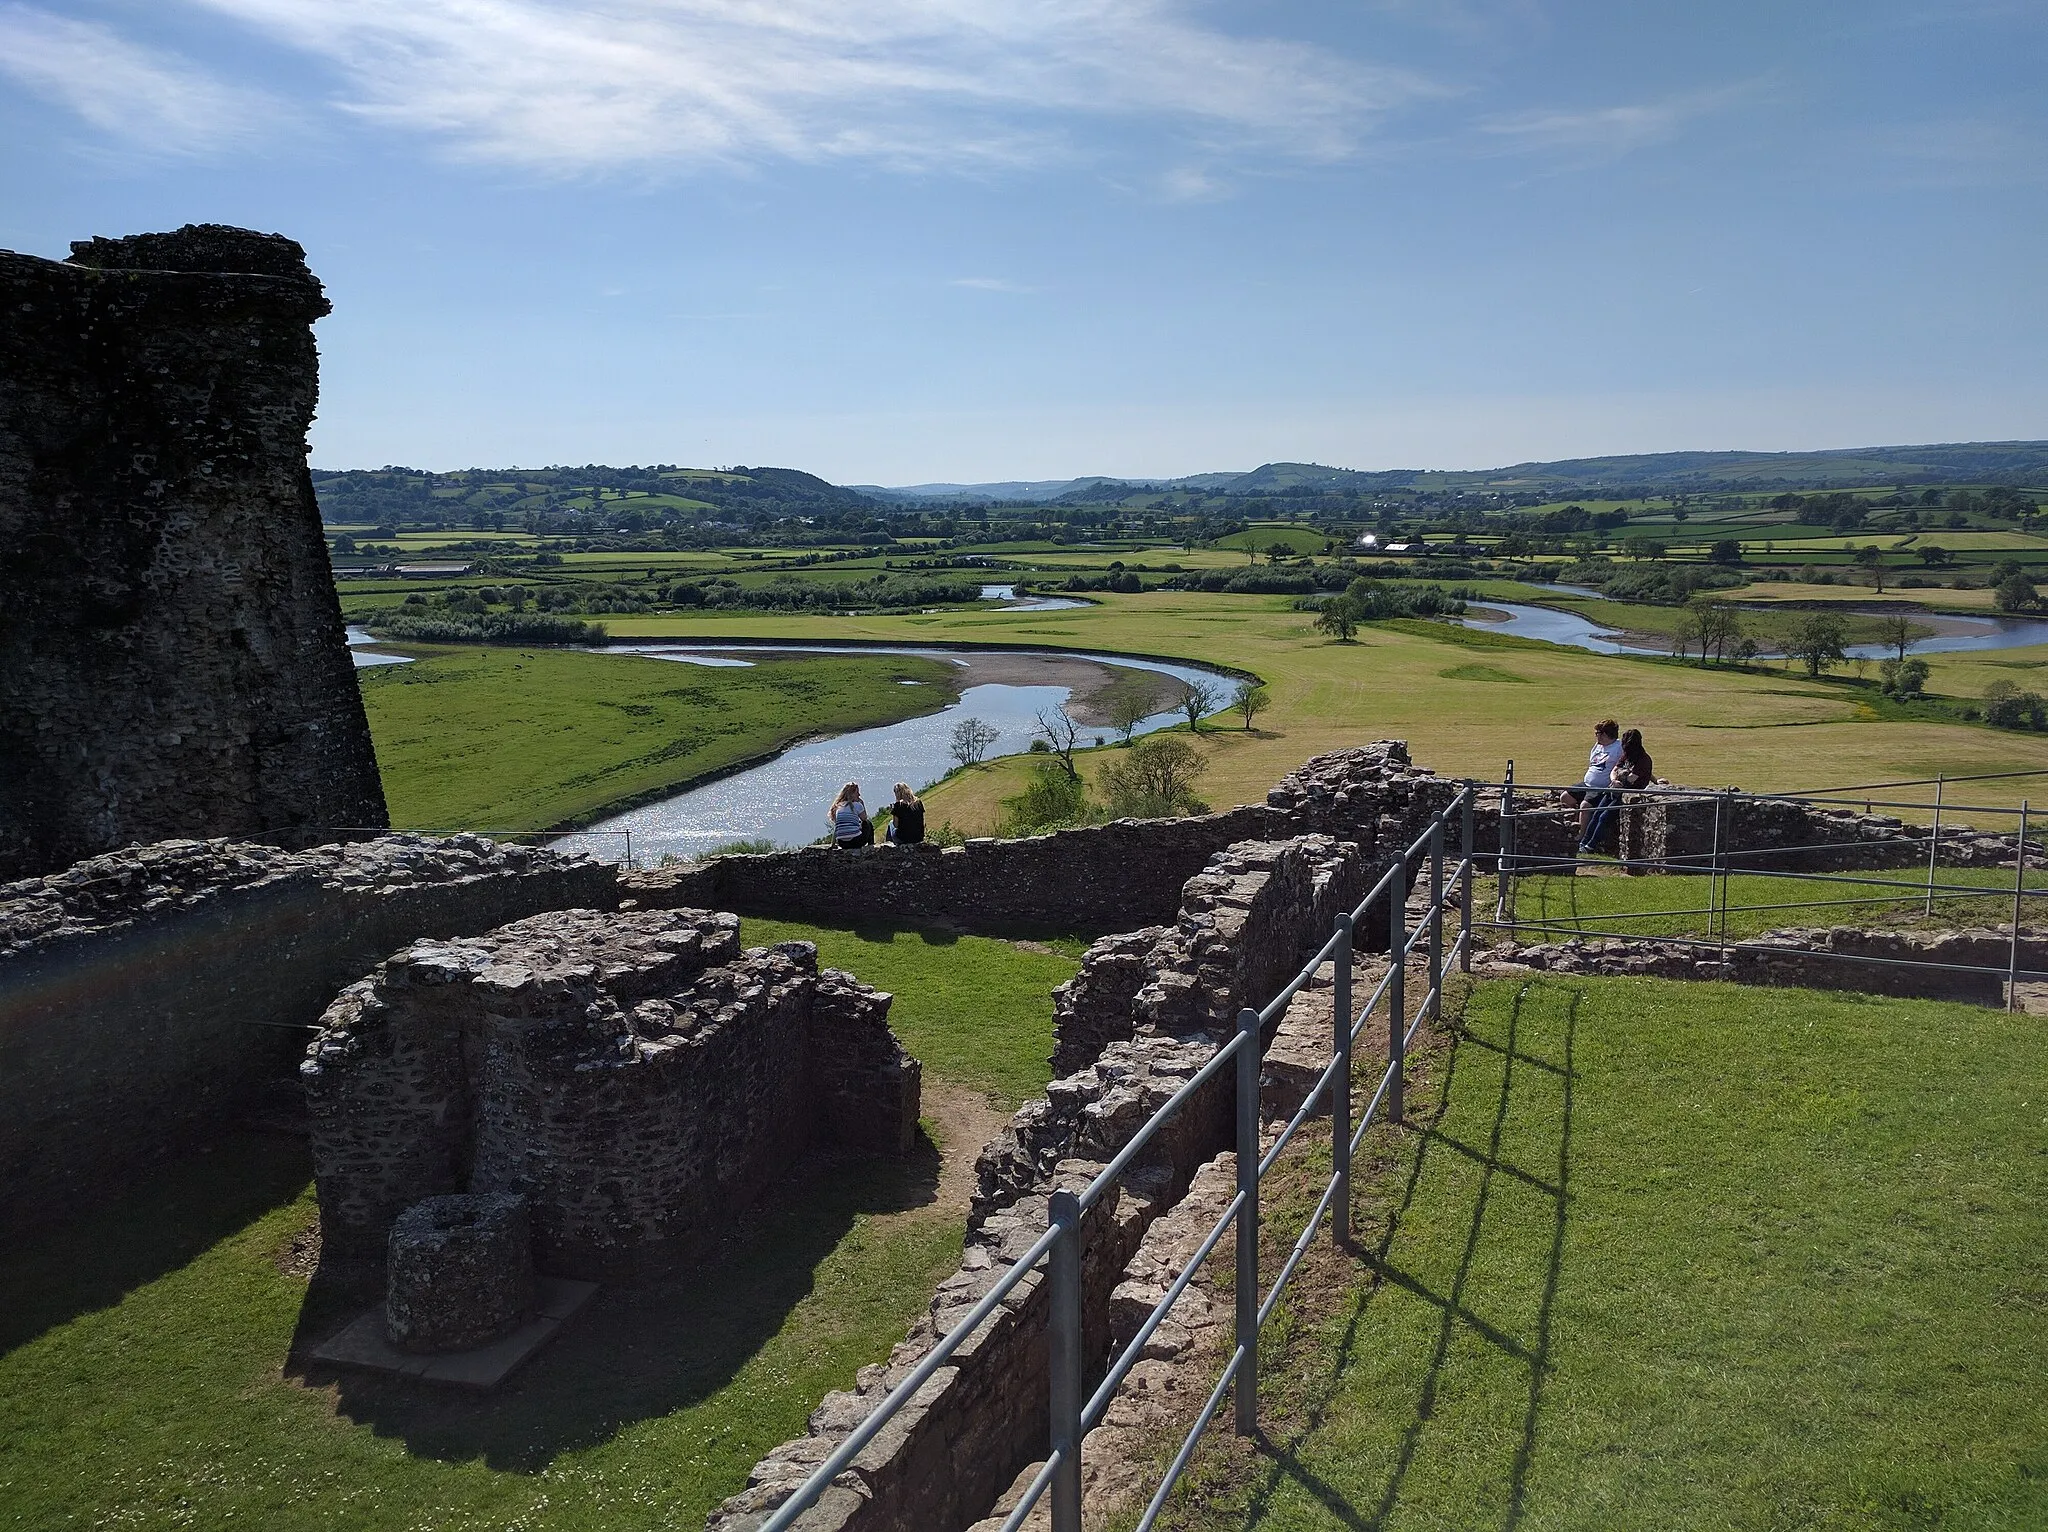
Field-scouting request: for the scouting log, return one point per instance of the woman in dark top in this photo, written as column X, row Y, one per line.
column 1636, row 768
column 906, row 817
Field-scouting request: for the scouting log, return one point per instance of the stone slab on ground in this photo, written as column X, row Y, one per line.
column 362, row 1343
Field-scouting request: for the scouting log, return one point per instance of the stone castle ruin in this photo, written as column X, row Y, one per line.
column 635, row 1078
column 172, row 660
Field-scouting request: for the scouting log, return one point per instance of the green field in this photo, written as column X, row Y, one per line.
column 1675, row 1256
column 142, row 1349
column 512, row 739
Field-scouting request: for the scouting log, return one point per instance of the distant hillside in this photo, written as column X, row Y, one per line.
column 2019, row 463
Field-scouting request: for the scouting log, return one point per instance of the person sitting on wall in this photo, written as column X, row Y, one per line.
column 1635, row 770
column 851, row 827
column 1592, row 792
column 906, row 817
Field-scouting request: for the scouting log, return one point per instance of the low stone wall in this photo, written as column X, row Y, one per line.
column 1100, row 878
column 636, row 1077
column 1808, row 959
column 943, row 1461
column 1247, row 922
column 147, row 994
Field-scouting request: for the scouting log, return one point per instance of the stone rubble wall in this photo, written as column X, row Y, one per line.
column 1806, row 959
column 940, row 1464
column 172, row 657
column 635, row 1076
column 1111, row 877
column 146, row 995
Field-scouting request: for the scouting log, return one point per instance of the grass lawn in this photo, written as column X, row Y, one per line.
column 974, row 1009
column 1663, row 905
column 512, row 739
column 1680, row 1256
column 1763, row 730
column 141, row 1349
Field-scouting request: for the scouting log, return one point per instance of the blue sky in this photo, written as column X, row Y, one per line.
column 905, row 240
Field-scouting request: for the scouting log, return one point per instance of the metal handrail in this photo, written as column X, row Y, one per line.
column 1242, row 1049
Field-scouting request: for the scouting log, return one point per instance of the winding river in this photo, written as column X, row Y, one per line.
column 783, row 800
column 1955, row 635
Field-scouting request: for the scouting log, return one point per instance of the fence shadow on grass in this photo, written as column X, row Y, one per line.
column 1285, row 1456
column 643, row 1351
column 169, row 1216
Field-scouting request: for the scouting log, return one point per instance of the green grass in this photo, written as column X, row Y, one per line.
column 1665, row 904
column 974, row 1009
column 142, row 1348
column 1681, row 1256
column 510, row 739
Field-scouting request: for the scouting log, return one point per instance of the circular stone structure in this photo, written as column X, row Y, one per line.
column 460, row 1272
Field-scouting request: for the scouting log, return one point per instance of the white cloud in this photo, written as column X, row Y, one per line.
column 1602, row 132
column 574, row 85
column 153, row 100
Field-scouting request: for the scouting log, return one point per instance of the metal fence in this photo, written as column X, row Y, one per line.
column 1522, row 804
column 1075, row 1409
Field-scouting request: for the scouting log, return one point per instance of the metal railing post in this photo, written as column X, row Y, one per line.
column 1397, row 997
column 2019, row 888
column 1063, row 1339
column 1467, row 883
column 1504, row 863
column 1247, row 1385
column 1714, row 871
column 1340, row 1087
column 1436, row 919
column 1933, row 845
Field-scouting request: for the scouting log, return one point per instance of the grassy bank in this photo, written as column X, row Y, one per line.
column 1681, row 1256
column 1466, row 701
column 512, row 739
column 142, row 1348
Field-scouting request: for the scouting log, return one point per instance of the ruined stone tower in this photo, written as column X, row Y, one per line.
column 172, row 661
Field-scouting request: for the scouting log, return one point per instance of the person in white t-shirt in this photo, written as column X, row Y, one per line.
column 1599, row 779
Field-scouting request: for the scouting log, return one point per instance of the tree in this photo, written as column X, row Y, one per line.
column 1156, row 779
column 1817, row 643
column 1684, row 633
column 1934, row 556
column 1061, row 733
column 1250, row 699
column 1276, row 551
column 1718, row 626
column 1726, row 550
column 1198, row 699
column 2015, row 593
column 1127, row 704
column 1651, row 548
column 1339, row 618
column 1871, row 557
column 971, row 739
column 1903, row 678
column 1900, row 632
column 2007, row 707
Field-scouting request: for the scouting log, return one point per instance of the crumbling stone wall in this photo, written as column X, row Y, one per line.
column 148, row 994
column 1247, row 923
column 1110, row 877
column 1808, row 959
column 980, row 1418
column 635, row 1076
column 172, row 661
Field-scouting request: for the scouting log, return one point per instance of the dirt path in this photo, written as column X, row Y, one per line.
column 962, row 1120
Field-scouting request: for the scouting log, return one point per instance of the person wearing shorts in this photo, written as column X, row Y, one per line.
column 1594, row 790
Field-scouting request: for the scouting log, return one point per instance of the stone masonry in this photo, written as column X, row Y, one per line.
column 172, row 661
column 148, row 995
column 636, row 1077
column 944, row 1460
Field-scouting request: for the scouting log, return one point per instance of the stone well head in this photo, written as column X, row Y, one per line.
column 460, row 1272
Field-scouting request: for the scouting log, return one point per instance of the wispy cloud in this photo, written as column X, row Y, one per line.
column 576, row 85
column 151, row 100
column 991, row 285
column 1601, row 133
